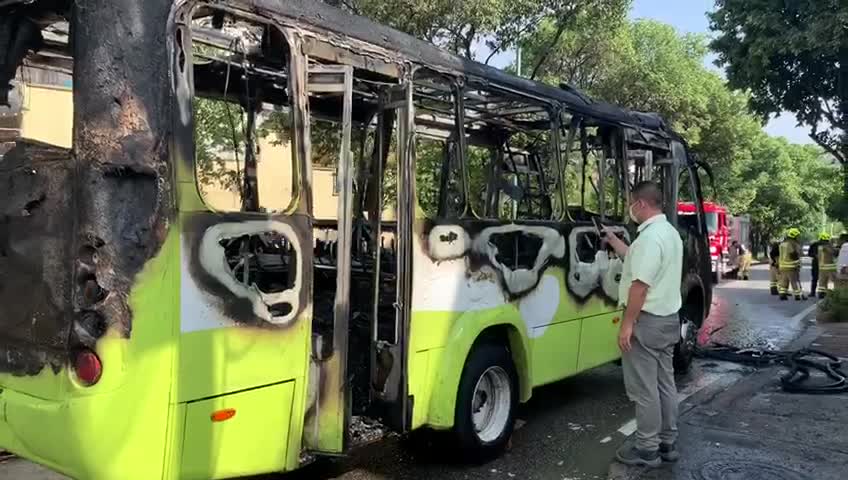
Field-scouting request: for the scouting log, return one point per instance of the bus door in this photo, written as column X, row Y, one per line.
column 392, row 273
column 330, row 89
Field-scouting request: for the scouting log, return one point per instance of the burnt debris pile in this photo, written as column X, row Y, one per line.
column 808, row 370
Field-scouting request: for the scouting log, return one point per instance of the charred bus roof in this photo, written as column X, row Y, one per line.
column 333, row 20
column 340, row 25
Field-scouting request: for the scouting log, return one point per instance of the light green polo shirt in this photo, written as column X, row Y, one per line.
column 656, row 259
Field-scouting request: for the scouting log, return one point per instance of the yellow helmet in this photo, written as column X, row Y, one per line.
column 824, row 236
column 793, row 233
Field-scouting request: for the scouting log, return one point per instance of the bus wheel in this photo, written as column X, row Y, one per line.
column 486, row 401
column 684, row 351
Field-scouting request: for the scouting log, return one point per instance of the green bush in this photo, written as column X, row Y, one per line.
column 834, row 307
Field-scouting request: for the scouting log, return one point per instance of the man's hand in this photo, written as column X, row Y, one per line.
column 635, row 302
column 616, row 243
column 609, row 235
column 624, row 337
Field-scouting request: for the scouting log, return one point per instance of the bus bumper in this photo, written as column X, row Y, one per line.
column 19, row 440
column 64, row 436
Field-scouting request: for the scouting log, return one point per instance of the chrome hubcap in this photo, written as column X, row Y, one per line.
column 491, row 404
column 687, row 334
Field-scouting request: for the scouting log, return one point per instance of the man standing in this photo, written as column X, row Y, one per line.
column 790, row 266
column 650, row 294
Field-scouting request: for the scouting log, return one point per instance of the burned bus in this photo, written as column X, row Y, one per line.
column 282, row 229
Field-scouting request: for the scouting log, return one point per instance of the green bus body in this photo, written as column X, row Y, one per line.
column 204, row 375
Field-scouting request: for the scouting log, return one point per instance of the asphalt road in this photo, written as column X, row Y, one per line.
column 568, row 430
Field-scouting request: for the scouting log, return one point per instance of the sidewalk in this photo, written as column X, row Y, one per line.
column 752, row 430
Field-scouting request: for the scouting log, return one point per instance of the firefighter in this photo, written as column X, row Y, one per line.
column 774, row 273
column 789, row 265
column 827, row 263
column 745, row 260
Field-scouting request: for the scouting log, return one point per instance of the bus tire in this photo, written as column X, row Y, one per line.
column 684, row 351
column 486, row 401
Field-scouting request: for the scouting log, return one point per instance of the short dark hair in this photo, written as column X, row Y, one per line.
column 649, row 192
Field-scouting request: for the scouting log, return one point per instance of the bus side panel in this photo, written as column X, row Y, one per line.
column 455, row 300
column 118, row 427
column 231, row 339
column 599, row 340
column 434, row 374
column 227, row 346
column 230, row 435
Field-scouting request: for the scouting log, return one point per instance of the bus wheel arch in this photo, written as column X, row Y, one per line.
column 489, row 391
column 455, row 357
column 510, row 336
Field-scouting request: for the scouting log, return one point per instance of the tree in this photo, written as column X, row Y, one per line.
column 793, row 56
column 644, row 65
column 648, row 66
column 219, row 140
column 793, row 184
column 461, row 26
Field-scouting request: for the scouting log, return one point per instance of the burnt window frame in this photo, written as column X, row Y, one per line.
column 184, row 40
column 613, row 146
column 459, row 131
column 453, row 162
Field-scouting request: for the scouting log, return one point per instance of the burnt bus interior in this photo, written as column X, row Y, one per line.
column 242, row 94
column 481, row 152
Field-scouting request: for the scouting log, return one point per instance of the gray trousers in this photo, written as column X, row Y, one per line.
column 649, row 379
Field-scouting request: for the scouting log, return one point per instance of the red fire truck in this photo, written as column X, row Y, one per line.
column 718, row 230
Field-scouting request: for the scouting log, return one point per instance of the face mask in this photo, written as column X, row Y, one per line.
column 633, row 215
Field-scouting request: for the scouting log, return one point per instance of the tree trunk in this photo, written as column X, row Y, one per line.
column 845, row 180
column 843, row 114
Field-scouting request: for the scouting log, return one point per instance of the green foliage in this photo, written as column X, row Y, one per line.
column 790, row 55
column 648, row 66
column 218, row 135
column 461, row 26
column 429, row 157
column 834, row 307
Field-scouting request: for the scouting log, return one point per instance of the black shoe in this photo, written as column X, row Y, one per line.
column 668, row 452
column 784, row 297
column 638, row 458
column 774, row 291
column 799, row 298
column 822, row 295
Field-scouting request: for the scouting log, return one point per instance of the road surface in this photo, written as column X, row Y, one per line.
column 569, row 430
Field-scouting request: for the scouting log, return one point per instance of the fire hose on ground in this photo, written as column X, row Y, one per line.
column 801, row 364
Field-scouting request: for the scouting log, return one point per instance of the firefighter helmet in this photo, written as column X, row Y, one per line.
column 824, row 236
column 793, row 233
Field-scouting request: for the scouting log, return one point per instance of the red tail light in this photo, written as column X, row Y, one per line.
column 88, row 367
